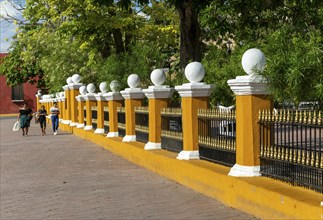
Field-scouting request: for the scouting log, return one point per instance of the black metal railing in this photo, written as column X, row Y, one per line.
column 106, row 119
column 291, row 147
column 121, row 121
column 142, row 122
column 94, row 111
column 171, row 134
column 217, row 135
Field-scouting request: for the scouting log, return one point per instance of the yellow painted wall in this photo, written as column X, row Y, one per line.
column 262, row 197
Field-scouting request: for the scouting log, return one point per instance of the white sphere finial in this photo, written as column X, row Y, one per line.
column 115, row 86
column 194, row 72
column 103, row 87
column 69, row 80
column 253, row 61
column 90, row 88
column 76, row 78
column 82, row 90
column 158, row 77
column 39, row 92
column 133, row 81
column 62, row 94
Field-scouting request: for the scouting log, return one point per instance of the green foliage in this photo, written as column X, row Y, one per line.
column 295, row 65
column 143, row 58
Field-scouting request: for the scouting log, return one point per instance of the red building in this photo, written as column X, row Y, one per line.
column 11, row 98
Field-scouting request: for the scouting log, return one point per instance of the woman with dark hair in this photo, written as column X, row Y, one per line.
column 41, row 114
column 24, row 117
column 54, row 111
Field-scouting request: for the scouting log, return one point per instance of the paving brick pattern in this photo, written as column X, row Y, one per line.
column 66, row 177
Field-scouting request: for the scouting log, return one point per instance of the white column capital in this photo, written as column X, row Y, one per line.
column 249, row 85
column 89, row 97
column 74, row 86
column 110, row 96
column 158, row 92
column 100, row 97
column 194, row 89
column 65, row 87
column 80, row 98
column 132, row 93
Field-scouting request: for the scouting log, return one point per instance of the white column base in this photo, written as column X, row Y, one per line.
column 113, row 134
column 244, row 171
column 73, row 124
column 66, row 122
column 88, row 127
column 80, row 125
column 152, row 146
column 188, row 155
column 99, row 131
column 129, row 138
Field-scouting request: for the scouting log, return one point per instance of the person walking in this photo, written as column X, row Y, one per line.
column 24, row 118
column 54, row 111
column 41, row 114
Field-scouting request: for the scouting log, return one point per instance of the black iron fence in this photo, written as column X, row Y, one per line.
column 121, row 121
column 142, row 122
column 217, row 135
column 106, row 119
column 171, row 134
column 291, row 147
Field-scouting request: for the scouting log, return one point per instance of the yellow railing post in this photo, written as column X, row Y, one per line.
column 252, row 95
column 80, row 103
column 101, row 103
column 133, row 98
column 158, row 98
column 195, row 95
column 89, row 102
column 66, row 118
column 115, row 100
column 74, row 91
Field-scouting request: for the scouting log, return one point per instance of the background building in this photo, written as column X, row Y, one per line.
column 11, row 98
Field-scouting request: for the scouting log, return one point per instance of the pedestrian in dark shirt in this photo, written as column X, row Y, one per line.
column 24, row 117
column 41, row 114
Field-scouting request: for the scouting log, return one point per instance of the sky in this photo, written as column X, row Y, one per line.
column 7, row 29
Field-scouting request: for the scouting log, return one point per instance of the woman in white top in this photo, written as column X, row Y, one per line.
column 54, row 111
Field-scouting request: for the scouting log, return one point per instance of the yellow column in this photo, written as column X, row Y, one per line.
column 81, row 102
column 194, row 95
column 251, row 96
column 158, row 97
column 190, row 105
column 89, row 102
column 38, row 96
column 133, row 98
column 101, row 103
column 65, row 109
column 115, row 100
column 73, row 92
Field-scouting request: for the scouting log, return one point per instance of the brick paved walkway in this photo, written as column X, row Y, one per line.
column 66, row 177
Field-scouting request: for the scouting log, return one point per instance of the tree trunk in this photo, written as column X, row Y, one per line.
column 190, row 45
column 118, row 41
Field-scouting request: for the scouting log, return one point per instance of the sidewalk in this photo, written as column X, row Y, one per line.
column 66, row 177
